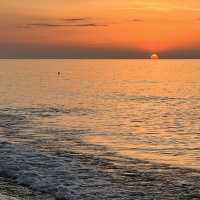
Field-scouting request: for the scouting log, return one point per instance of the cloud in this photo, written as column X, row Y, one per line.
column 76, row 19
column 137, row 20
column 36, row 51
column 66, row 22
column 82, row 21
column 51, row 25
column 46, row 25
column 87, row 24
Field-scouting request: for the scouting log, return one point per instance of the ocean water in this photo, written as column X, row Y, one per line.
column 102, row 129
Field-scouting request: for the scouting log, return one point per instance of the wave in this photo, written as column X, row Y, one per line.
column 45, row 111
column 64, row 177
column 70, row 176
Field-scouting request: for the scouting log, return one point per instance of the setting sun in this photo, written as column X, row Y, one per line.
column 154, row 56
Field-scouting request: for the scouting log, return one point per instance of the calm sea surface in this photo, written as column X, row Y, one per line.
column 124, row 115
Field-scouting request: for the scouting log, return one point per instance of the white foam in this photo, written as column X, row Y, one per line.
column 64, row 177
column 5, row 197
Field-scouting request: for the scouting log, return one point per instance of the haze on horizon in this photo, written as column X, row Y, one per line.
column 99, row 29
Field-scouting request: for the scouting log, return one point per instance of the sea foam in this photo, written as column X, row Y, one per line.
column 63, row 177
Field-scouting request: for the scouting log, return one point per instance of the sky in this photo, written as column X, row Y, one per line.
column 99, row 28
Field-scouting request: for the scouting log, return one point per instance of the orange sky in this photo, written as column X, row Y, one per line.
column 140, row 25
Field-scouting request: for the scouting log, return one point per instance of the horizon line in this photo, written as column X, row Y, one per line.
column 95, row 58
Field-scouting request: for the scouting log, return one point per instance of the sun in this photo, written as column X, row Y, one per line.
column 154, row 56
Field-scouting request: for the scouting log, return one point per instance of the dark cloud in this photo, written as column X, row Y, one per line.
column 46, row 25
column 69, row 51
column 88, row 24
column 66, row 22
column 76, row 19
column 49, row 25
column 137, row 20
column 73, row 51
column 186, row 53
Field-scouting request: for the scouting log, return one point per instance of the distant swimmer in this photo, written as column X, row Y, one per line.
column 58, row 73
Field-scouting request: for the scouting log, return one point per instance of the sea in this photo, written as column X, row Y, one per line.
column 102, row 129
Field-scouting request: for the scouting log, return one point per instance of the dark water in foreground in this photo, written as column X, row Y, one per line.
column 103, row 129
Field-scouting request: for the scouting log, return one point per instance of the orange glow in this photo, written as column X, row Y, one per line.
column 147, row 25
column 154, row 56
